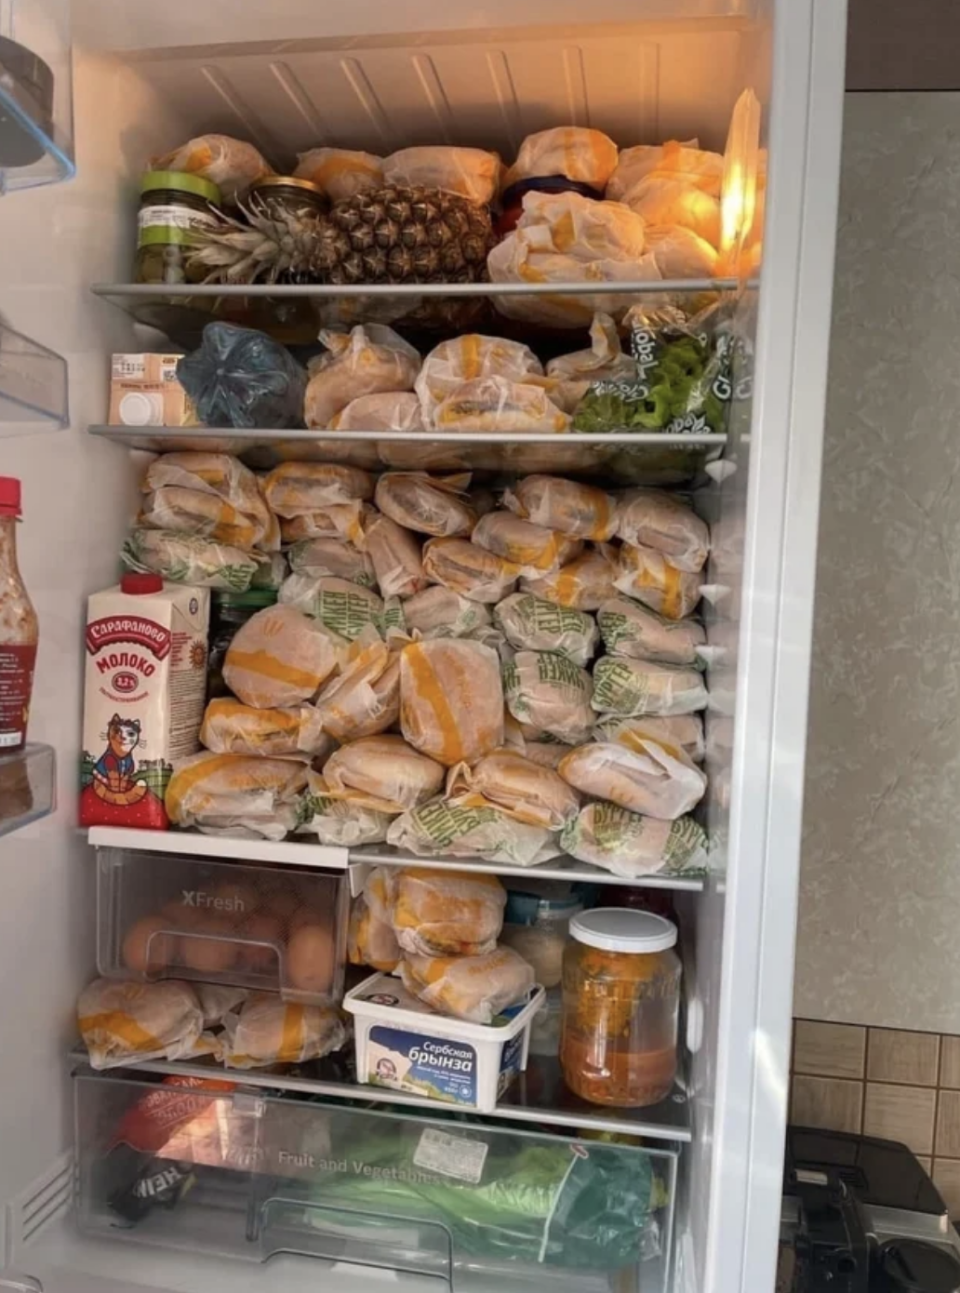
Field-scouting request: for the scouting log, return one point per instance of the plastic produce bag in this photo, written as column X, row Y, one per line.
column 231, row 164
column 439, row 913
column 340, row 520
column 280, row 657
column 468, row 569
column 335, row 557
column 671, row 160
column 584, row 155
column 582, row 511
column 682, row 731
column 630, row 688
column 344, row 608
column 434, row 505
column 531, row 624
column 371, row 941
column 383, row 773
column 650, row 518
column 367, row 360
column 339, row 822
column 386, row 411
column 220, row 476
column 267, row 1030
column 122, row 1023
column 396, row 555
column 475, row 988
column 340, row 172
column 494, row 405
column 604, row 361
column 443, row 829
column 582, row 585
column 470, row 172
column 630, row 845
column 524, row 790
column 188, row 559
column 234, row 794
column 364, row 699
column 546, row 689
column 440, row 612
column 647, row 779
column 230, row 727
column 300, row 488
column 647, row 575
column 471, row 358
column 566, row 238
column 531, row 549
column 451, row 699
column 242, row 378
column 630, row 629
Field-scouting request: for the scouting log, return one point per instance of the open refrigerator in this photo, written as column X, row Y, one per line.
column 375, row 76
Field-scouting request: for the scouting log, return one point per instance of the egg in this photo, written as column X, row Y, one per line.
column 181, row 915
column 262, row 928
column 210, row 955
column 311, row 960
column 235, row 900
column 283, row 902
column 305, row 916
column 147, row 947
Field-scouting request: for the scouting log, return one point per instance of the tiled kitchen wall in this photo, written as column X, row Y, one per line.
column 883, row 1082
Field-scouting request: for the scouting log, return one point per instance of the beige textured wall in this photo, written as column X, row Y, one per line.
column 879, row 932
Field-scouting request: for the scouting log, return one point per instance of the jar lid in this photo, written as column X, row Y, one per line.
column 532, row 909
column 286, row 182
column 180, row 182
column 616, row 929
column 139, row 585
column 254, row 599
column 10, row 496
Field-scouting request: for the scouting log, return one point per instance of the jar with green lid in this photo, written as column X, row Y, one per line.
column 174, row 207
column 228, row 613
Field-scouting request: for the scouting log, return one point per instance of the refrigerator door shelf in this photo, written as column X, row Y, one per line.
column 28, row 786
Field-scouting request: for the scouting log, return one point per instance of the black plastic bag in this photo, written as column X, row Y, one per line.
column 242, row 378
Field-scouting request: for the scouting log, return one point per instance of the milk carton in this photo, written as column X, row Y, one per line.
column 146, row 653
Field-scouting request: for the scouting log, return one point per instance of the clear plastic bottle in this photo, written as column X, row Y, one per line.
column 19, row 630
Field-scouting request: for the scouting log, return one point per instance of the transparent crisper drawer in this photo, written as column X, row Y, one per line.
column 273, row 928
column 476, row 1205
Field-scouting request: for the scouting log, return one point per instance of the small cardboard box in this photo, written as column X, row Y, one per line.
column 145, row 392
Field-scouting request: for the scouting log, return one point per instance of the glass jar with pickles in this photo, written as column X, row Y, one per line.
column 621, row 998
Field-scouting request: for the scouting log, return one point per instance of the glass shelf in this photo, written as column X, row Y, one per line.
column 28, row 781
column 36, row 94
column 33, row 386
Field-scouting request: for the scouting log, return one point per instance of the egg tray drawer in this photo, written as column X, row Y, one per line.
column 265, row 927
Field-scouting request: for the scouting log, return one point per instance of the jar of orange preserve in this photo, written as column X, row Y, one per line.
column 621, row 994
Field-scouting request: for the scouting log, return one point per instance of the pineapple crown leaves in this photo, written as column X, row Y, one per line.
column 262, row 248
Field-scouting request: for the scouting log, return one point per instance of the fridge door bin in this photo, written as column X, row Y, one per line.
column 269, row 928
column 36, row 94
column 245, row 1175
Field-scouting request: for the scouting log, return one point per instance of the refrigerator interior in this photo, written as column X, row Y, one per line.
column 372, row 77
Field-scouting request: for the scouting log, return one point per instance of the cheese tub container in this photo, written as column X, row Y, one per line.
column 406, row 1046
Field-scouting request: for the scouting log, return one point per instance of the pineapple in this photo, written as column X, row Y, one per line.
column 391, row 235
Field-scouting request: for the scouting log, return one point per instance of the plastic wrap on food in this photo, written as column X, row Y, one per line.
column 451, row 699
column 243, row 378
column 364, row 698
column 584, row 584
column 188, row 511
column 648, row 576
column 649, row 779
column 566, row 238
column 217, row 1000
column 340, row 520
column 339, row 822
column 439, row 612
column 281, row 657
column 232, row 164
column 569, row 506
column 396, row 553
column 532, row 624
column 384, row 773
column 268, row 1030
column 532, row 550
column 631, row 688
column 385, row 411
column 581, row 154
column 651, row 518
column 672, row 160
column 227, row 793
column 494, row 405
column 685, row 731
column 630, row 845
column 189, row 559
column 221, row 476
column 631, row 629
column 536, row 746
column 124, row 1023
column 471, row 358
column 524, row 790
column 435, row 505
column 371, row 941
column 443, row 829
column 340, row 173
column 469, row 172
column 333, row 556
column 681, row 253
column 667, row 201
column 230, row 727
column 439, row 913
column 300, row 488
column 368, row 360
column 475, row 988
column 604, row 361
column 547, row 690
column 344, row 608
column 468, row 569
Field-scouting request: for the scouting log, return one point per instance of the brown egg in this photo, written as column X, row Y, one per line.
column 236, row 900
column 310, row 960
column 262, row 928
column 146, row 948
column 283, row 902
column 179, row 914
column 306, row 916
column 209, row 955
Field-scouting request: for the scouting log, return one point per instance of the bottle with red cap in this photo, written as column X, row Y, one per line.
column 19, row 630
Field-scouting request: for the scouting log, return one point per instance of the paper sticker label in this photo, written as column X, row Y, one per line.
column 436, row 1067
column 16, row 683
column 510, row 1060
column 453, row 1156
